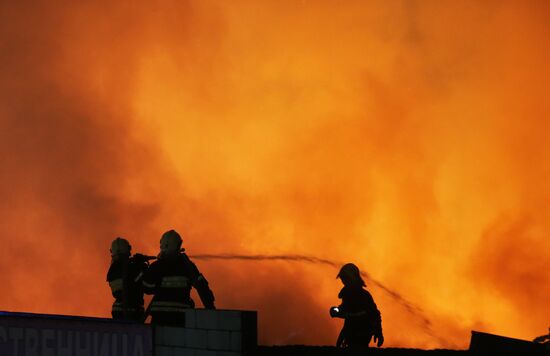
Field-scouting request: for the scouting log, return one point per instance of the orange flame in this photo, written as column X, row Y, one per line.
column 410, row 138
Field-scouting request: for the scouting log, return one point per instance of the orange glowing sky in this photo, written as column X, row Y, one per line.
column 409, row 137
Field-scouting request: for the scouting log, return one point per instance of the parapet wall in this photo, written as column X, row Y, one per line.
column 207, row 333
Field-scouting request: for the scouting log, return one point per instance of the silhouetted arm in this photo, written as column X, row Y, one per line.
column 201, row 285
column 150, row 279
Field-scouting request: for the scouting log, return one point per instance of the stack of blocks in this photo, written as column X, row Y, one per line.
column 209, row 333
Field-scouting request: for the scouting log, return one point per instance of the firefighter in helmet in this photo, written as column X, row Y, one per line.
column 362, row 320
column 124, row 277
column 170, row 279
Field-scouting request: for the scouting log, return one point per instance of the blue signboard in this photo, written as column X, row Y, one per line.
column 24, row 334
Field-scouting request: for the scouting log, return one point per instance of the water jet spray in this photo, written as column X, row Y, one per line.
column 411, row 308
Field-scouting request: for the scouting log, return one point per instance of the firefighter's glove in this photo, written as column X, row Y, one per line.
column 334, row 312
column 138, row 257
column 379, row 339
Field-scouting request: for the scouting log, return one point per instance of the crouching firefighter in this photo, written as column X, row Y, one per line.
column 362, row 320
column 170, row 279
column 125, row 279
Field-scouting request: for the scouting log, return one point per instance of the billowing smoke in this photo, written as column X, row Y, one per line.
column 408, row 137
column 72, row 173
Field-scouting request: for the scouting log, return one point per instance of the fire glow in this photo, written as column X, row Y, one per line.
column 410, row 138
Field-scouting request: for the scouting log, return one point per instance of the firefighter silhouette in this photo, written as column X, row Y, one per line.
column 124, row 277
column 362, row 320
column 170, row 279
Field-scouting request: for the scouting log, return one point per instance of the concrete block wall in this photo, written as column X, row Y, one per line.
column 209, row 333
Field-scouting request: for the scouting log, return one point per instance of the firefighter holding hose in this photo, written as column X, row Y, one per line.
column 125, row 280
column 170, row 279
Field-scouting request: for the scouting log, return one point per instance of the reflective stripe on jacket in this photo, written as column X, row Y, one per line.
column 116, row 285
column 170, row 307
column 170, row 279
column 124, row 280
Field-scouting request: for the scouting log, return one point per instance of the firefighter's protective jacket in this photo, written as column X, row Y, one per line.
column 125, row 279
column 362, row 317
column 170, row 280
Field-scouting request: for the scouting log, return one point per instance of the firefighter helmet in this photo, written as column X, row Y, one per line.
column 120, row 246
column 170, row 243
column 350, row 274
